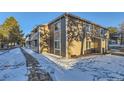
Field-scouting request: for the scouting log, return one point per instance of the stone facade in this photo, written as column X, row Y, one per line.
column 35, row 40
column 79, row 36
column 71, row 36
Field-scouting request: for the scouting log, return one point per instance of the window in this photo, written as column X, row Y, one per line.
column 88, row 27
column 57, row 38
column 56, row 35
column 57, row 26
column 88, row 45
column 98, row 31
column 57, row 44
column 92, row 27
column 84, row 24
column 35, row 43
column 103, row 31
column 29, row 42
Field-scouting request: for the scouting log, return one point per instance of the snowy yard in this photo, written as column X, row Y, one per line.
column 96, row 67
column 1, row 52
column 13, row 66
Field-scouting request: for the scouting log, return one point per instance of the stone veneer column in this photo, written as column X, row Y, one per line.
column 101, row 46
column 66, row 29
column 39, row 40
column 84, row 45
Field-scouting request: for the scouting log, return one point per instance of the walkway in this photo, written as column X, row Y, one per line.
column 35, row 73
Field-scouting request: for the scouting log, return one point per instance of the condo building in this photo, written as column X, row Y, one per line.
column 69, row 36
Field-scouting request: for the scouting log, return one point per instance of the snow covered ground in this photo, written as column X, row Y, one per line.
column 1, row 52
column 13, row 66
column 95, row 67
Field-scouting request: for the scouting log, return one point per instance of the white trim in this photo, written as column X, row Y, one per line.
column 57, row 18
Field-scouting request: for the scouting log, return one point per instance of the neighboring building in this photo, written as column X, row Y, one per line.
column 37, row 40
column 115, row 38
column 71, row 36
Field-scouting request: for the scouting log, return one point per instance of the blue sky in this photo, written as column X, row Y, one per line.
column 28, row 20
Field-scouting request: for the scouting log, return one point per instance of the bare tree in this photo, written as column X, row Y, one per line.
column 82, row 37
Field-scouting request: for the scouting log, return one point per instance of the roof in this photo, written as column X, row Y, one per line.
column 33, row 30
column 77, row 17
column 36, row 27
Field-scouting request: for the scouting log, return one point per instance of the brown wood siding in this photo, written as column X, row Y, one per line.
column 63, row 37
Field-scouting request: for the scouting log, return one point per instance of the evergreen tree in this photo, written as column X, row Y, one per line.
column 3, row 36
column 12, row 26
column 112, row 30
